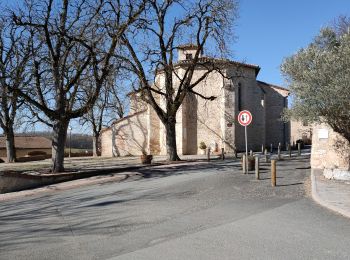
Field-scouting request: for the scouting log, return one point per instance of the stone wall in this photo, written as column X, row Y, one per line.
column 300, row 130
column 329, row 149
column 248, row 97
column 209, row 113
column 128, row 136
column 277, row 131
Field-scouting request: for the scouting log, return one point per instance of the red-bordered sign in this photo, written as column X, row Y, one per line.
column 245, row 118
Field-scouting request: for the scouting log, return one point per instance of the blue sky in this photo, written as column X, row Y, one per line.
column 270, row 30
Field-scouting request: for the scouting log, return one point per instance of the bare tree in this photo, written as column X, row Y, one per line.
column 14, row 56
column 110, row 105
column 152, row 48
column 75, row 42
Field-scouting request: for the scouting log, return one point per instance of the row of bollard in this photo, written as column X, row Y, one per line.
column 279, row 149
column 257, row 161
column 222, row 154
column 263, row 150
column 257, row 169
column 273, row 162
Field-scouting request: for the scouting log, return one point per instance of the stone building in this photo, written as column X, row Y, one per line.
column 300, row 131
column 198, row 120
column 27, row 144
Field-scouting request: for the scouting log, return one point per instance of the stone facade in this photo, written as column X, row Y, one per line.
column 301, row 131
column 27, row 144
column 198, row 120
column 330, row 152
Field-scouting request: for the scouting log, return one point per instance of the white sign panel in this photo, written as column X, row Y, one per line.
column 322, row 133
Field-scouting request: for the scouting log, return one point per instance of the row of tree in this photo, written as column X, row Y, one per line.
column 59, row 60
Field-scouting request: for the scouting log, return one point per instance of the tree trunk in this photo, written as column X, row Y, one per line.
column 171, row 141
column 58, row 145
column 10, row 145
column 95, row 139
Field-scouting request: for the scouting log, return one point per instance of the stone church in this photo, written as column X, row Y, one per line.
column 236, row 88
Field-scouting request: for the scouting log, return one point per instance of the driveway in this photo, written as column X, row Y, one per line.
column 197, row 211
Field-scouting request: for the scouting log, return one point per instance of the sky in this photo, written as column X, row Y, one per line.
column 267, row 31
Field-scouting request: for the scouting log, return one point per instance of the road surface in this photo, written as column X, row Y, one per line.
column 199, row 211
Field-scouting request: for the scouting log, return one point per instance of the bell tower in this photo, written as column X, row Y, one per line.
column 187, row 52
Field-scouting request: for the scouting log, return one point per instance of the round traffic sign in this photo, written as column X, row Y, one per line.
column 245, row 118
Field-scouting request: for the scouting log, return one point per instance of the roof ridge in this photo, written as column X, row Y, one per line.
column 272, row 85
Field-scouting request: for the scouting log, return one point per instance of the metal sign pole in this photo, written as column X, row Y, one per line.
column 246, row 149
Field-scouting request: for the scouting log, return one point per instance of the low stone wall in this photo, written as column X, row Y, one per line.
column 330, row 153
column 15, row 181
column 337, row 174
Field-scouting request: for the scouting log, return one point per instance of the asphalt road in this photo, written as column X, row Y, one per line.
column 203, row 211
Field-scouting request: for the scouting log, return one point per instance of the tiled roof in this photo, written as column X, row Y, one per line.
column 262, row 83
column 218, row 60
column 187, row 46
column 28, row 142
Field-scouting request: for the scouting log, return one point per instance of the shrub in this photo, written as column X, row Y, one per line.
column 202, row 145
column 33, row 153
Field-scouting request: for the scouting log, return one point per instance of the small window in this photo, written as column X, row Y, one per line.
column 239, row 97
column 189, row 56
column 262, row 100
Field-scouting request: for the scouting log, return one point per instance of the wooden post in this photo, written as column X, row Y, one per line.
column 262, row 148
column 271, row 148
column 273, row 173
column 251, row 153
column 257, row 173
column 299, row 149
column 290, row 151
column 222, row 153
column 279, row 151
column 266, row 158
column 244, row 163
column 208, row 154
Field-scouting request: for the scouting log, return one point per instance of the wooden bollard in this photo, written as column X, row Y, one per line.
column 251, row 153
column 208, row 155
column 271, row 148
column 299, row 149
column 262, row 148
column 273, row 173
column 279, row 152
column 265, row 153
column 244, row 163
column 290, row 151
column 235, row 153
column 257, row 173
column 222, row 153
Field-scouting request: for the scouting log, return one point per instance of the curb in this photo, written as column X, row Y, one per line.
column 316, row 197
column 99, row 177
